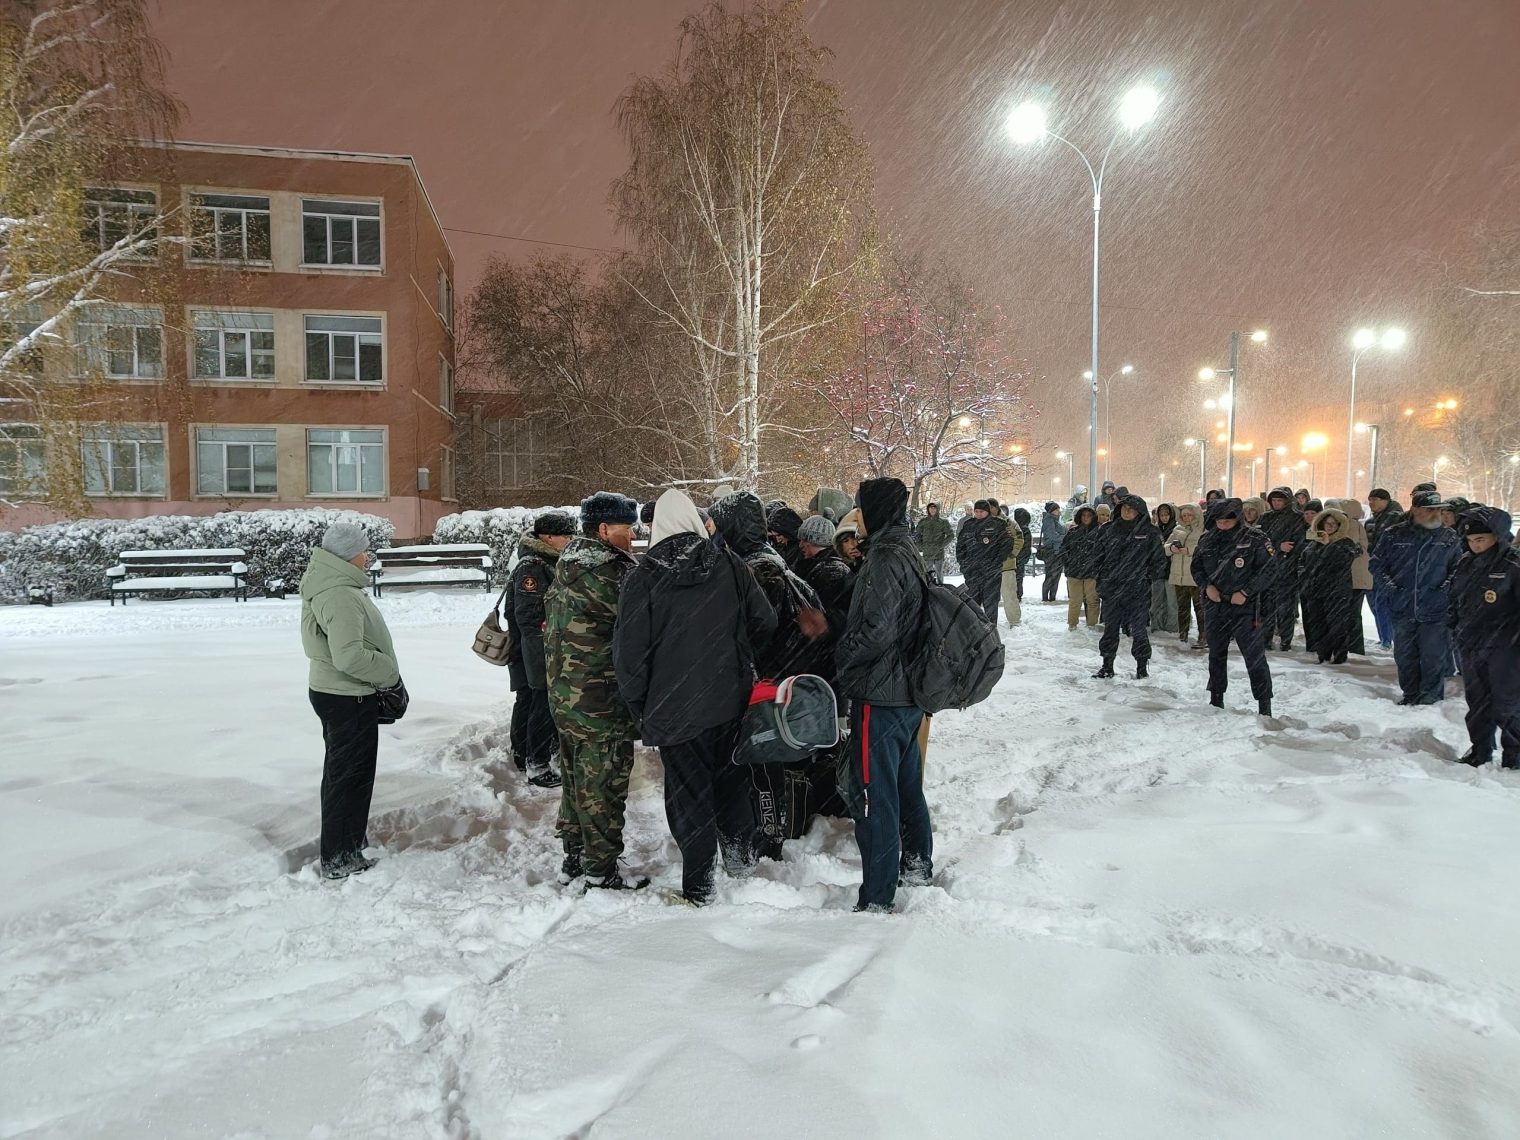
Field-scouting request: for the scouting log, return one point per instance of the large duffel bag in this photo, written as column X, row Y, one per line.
column 788, row 721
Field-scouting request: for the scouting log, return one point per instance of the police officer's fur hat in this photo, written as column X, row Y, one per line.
column 608, row 507
column 553, row 522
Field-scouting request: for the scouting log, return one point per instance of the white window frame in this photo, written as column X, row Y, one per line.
column 103, row 440
column 22, row 322
column 313, row 209
column 521, row 445
column 95, row 325
column 206, row 445
column 445, row 384
column 222, row 230
column 445, row 298
column 448, row 475
column 360, row 339
column 137, row 211
column 380, row 445
column 227, row 330
column 23, row 460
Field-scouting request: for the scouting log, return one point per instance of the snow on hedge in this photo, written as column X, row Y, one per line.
column 73, row 557
column 500, row 528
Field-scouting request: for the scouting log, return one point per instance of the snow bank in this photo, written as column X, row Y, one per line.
column 1149, row 918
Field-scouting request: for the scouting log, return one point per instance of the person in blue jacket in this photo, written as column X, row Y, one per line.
column 1412, row 566
column 1484, row 617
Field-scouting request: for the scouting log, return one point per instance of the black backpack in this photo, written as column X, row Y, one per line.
column 958, row 656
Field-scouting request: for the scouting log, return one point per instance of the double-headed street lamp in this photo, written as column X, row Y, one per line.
column 1233, row 371
column 1026, row 123
column 1108, row 415
column 1389, row 340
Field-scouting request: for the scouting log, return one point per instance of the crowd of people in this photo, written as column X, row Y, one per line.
column 1441, row 579
column 664, row 648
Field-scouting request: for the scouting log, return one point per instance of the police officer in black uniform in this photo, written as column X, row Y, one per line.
column 981, row 547
column 1234, row 566
column 538, row 556
column 1485, row 623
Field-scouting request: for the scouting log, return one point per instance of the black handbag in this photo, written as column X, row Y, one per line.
column 393, row 702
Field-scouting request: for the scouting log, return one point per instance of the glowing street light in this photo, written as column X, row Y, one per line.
column 1372, row 430
column 1028, row 123
column 1108, row 413
column 1071, row 468
column 1435, row 468
column 1203, row 461
column 1389, row 340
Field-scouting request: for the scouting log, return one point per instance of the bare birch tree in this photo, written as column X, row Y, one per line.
column 748, row 192
column 78, row 78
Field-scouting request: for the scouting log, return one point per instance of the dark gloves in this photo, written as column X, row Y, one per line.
column 393, row 702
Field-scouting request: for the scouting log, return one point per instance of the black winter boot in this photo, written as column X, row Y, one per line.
column 612, row 881
column 1141, row 672
column 1510, row 762
column 1476, row 759
column 1264, row 708
column 1217, row 700
column 571, row 868
column 1106, row 671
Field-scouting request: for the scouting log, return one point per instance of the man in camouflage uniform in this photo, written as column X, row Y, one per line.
column 596, row 729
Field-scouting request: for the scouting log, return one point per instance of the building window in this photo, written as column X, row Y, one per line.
column 345, row 462
column 112, row 216
column 445, row 385
column 446, row 477
column 445, row 298
column 229, row 227
column 21, row 322
column 23, row 466
column 123, row 460
column 344, row 349
column 340, row 233
column 234, row 346
column 235, row 461
column 516, row 453
column 122, row 342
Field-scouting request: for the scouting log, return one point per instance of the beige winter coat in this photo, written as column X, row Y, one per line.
column 1186, row 533
column 1361, row 569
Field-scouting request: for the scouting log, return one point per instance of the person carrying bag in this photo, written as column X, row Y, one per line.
column 354, row 686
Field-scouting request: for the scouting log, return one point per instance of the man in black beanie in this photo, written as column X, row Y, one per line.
column 782, row 525
column 982, row 546
column 523, row 601
column 884, row 786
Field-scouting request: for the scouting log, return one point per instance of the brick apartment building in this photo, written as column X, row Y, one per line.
column 295, row 350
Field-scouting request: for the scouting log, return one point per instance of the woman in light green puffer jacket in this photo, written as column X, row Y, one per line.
column 352, row 658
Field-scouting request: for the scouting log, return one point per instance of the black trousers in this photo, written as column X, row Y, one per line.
column 987, row 593
column 1283, row 618
column 538, row 727
column 1052, row 578
column 1129, row 612
column 1327, row 623
column 520, row 729
column 1492, row 681
column 707, row 805
column 1224, row 624
column 351, row 733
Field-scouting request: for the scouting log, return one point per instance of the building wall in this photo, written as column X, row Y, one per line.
column 409, row 405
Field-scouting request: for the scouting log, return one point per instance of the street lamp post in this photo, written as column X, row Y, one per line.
column 1071, row 469
column 1163, row 486
column 1108, row 415
column 1372, row 430
column 1233, row 371
column 1026, row 124
column 1203, row 462
column 1390, row 340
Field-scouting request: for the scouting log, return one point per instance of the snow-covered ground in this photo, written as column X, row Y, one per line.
column 1150, row 918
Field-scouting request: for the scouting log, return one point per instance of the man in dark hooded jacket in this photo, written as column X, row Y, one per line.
column 885, row 781
column 782, row 525
column 1234, row 565
column 1284, row 525
column 1485, row 624
column 1130, row 558
column 982, row 546
column 1051, row 534
column 796, row 647
column 686, row 618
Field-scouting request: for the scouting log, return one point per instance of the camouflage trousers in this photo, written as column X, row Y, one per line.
column 592, row 800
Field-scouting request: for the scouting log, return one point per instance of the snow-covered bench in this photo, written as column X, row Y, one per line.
column 179, row 571
column 447, row 564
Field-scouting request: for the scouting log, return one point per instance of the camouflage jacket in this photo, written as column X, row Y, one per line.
column 580, row 611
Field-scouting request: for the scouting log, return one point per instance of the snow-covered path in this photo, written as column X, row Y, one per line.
column 1150, row 918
